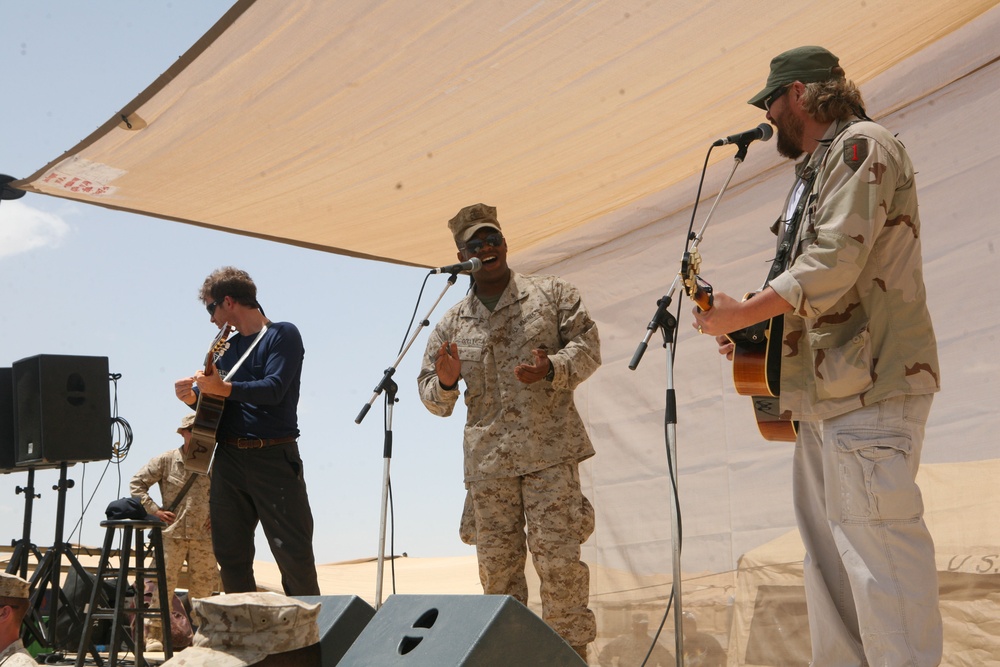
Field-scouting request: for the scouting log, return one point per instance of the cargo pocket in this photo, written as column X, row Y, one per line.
column 467, row 525
column 584, row 521
column 472, row 371
column 876, row 483
column 842, row 368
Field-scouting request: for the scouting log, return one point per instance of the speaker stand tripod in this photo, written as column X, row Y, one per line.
column 23, row 547
column 47, row 577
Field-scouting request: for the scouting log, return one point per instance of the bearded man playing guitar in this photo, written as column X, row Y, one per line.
column 257, row 473
column 858, row 367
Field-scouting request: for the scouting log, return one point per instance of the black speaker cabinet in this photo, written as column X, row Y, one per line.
column 8, row 459
column 341, row 620
column 458, row 630
column 62, row 410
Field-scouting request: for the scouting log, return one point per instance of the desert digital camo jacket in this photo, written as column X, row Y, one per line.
column 167, row 470
column 860, row 331
column 514, row 428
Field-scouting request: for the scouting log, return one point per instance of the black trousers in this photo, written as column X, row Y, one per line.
column 265, row 486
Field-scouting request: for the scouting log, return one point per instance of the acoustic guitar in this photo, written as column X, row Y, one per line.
column 756, row 357
column 208, row 413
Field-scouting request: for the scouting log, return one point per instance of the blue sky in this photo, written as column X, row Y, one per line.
column 82, row 280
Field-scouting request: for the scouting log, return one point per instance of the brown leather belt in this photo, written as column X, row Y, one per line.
column 257, row 443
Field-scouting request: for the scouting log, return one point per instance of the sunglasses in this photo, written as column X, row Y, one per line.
column 211, row 307
column 493, row 240
column 773, row 97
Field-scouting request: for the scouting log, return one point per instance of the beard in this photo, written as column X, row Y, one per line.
column 790, row 131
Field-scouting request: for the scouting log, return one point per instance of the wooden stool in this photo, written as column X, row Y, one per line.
column 102, row 608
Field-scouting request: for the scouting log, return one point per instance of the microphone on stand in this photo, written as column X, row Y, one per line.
column 468, row 266
column 763, row 132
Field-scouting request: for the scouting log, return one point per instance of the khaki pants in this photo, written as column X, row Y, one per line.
column 870, row 577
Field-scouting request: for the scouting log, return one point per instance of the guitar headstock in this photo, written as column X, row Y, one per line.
column 697, row 289
column 217, row 348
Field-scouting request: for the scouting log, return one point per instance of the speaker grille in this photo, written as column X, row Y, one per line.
column 62, row 410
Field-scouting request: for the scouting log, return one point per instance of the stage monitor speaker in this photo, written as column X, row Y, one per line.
column 341, row 620
column 62, row 408
column 458, row 630
column 8, row 458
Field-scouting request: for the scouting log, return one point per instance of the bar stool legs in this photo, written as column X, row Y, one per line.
column 102, row 608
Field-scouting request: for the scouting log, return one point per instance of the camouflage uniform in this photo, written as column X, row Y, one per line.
column 239, row 629
column 858, row 368
column 186, row 539
column 15, row 655
column 13, row 589
column 857, row 284
column 523, row 442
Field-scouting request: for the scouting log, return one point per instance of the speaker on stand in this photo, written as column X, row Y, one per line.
column 23, row 548
column 62, row 416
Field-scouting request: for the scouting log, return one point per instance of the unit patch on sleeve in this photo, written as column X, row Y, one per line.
column 855, row 152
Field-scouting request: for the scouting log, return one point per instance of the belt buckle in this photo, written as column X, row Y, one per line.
column 252, row 443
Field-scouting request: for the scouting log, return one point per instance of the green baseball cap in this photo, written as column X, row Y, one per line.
column 807, row 64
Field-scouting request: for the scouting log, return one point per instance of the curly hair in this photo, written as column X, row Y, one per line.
column 833, row 100
column 232, row 282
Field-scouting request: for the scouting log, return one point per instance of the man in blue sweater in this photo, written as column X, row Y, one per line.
column 257, row 474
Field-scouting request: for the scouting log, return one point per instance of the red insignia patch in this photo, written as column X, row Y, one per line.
column 855, row 153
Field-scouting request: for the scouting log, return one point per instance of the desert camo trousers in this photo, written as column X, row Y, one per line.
column 559, row 518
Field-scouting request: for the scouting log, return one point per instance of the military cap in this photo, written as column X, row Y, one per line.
column 187, row 421
column 240, row 629
column 128, row 508
column 807, row 64
column 470, row 220
column 13, row 586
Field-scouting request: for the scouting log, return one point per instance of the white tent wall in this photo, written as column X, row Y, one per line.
column 735, row 488
column 768, row 621
column 598, row 192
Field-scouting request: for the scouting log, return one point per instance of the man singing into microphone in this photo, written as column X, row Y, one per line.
column 522, row 344
column 858, row 367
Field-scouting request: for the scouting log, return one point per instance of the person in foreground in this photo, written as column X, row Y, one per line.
column 257, row 473
column 522, row 344
column 261, row 629
column 14, row 594
column 184, row 509
column 858, row 367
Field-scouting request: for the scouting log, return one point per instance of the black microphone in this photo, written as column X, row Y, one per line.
column 764, row 131
column 468, row 266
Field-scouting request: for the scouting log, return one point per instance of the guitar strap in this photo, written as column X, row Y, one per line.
column 180, row 496
column 787, row 227
column 260, row 334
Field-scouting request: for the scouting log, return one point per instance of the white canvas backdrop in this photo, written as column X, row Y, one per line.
column 605, row 202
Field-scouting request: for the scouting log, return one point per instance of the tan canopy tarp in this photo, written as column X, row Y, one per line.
column 358, row 128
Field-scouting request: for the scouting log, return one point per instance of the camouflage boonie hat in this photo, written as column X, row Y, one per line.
column 470, row 220
column 187, row 421
column 13, row 586
column 807, row 64
column 241, row 629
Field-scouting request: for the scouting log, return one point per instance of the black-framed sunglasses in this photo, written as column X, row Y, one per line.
column 212, row 306
column 773, row 97
column 475, row 245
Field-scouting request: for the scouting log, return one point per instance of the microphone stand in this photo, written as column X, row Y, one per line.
column 667, row 324
column 388, row 385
